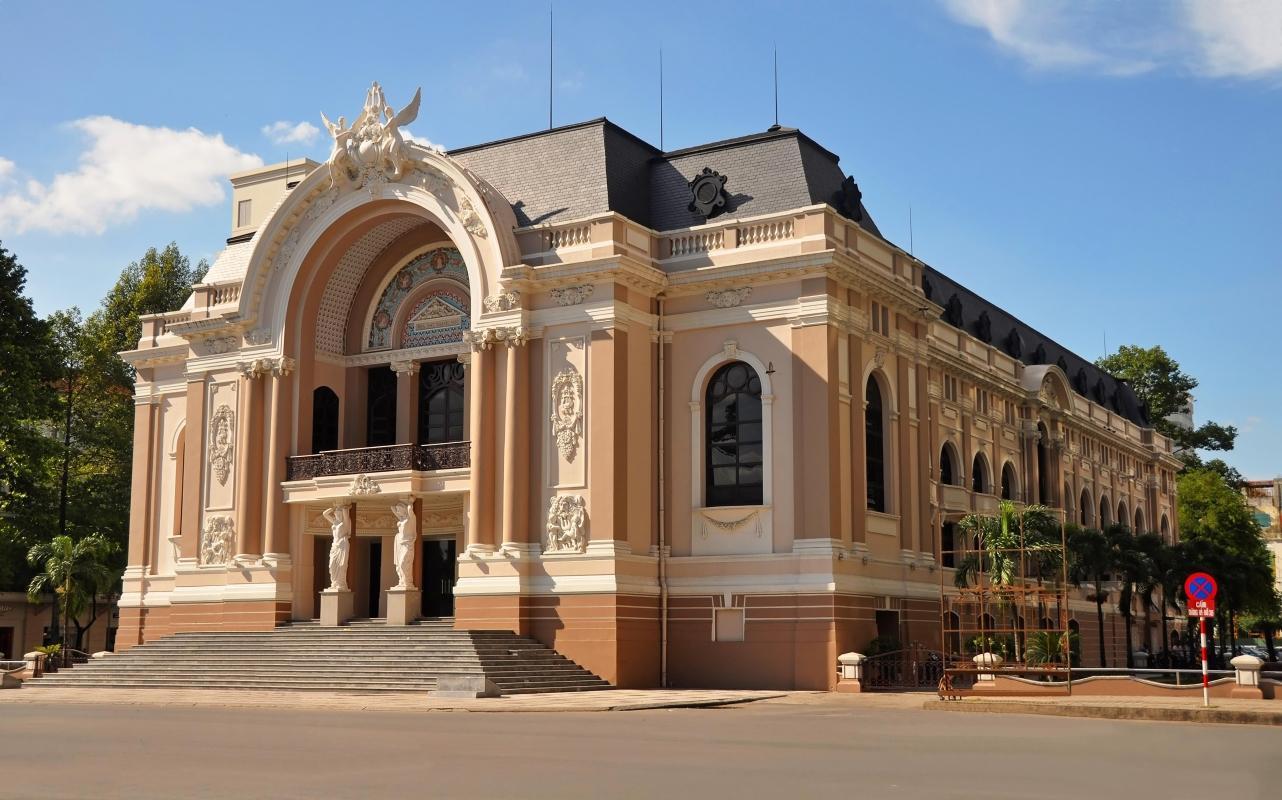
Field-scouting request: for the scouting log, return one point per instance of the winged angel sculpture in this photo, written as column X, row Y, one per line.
column 373, row 145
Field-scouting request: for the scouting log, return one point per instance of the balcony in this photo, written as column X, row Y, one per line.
column 390, row 458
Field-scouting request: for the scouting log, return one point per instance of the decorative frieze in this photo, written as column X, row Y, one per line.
column 222, row 442
column 363, row 485
column 567, row 412
column 572, row 295
column 486, row 338
column 566, row 516
column 502, row 301
column 217, row 540
column 728, row 298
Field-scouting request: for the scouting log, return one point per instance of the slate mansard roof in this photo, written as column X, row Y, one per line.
column 592, row 167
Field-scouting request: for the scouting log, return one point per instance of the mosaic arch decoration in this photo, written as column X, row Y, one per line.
column 440, row 317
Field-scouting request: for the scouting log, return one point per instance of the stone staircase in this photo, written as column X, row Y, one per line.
column 362, row 656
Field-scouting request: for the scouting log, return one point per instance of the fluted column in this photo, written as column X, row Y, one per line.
column 277, row 535
column 480, row 378
column 406, row 401
column 249, row 468
column 193, row 467
column 516, row 443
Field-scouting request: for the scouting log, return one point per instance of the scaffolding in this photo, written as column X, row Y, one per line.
column 1013, row 600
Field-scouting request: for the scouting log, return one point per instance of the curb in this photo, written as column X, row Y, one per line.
column 1142, row 713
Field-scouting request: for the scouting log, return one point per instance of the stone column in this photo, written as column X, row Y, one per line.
column 406, row 401
column 193, row 467
column 516, row 443
column 858, row 454
column 142, row 484
column 909, row 535
column 480, row 388
column 926, row 442
column 249, row 468
column 1033, row 476
column 277, row 534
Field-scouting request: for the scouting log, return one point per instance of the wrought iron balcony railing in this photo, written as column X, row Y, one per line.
column 357, row 460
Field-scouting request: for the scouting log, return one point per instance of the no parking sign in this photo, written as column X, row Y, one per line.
column 1200, row 589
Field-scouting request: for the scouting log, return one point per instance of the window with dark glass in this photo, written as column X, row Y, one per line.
column 380, row 417
column 734, row 453
column 1008, row 482
column 324, row 419
column 979, row 474
column 440, row 402
column 947, row 472
column 875, row 447
column 948, row 544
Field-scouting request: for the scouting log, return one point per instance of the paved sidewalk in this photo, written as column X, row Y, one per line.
column 1160, row 709
column 605, row 700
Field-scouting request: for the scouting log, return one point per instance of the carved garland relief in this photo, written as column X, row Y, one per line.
column 566, row 516
column 217, row 540
column 567, row 412
column 222, row 442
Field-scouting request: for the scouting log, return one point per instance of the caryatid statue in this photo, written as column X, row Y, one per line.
column 339, row 518
column 403, row 550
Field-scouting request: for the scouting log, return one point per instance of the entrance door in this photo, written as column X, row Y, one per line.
column 440, row 559
column 6, row 643
column 320, row 570
column 375, row 586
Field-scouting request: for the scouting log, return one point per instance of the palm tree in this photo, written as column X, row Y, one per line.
column 73, row 571
column 1020, row 543
column 1090, row 561
column 1160, row 578
column 1134, row 572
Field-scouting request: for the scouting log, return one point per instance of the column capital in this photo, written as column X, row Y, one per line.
column 405, row 367
column 256, row 368
column 281, row 367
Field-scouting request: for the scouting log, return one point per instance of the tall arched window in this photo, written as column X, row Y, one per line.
column 1008, row 481
column 380, row 409
column 1122, row 516
column 1088, row 515
column 875, row 446
column 948, row 467
column 734, row 457
column 979, row 474
column 440, row 402
column 1105, row 512
column 1139, row 520
column 1166, row 528
column 324, row 419
column 1043, row 465
column 1068, row 501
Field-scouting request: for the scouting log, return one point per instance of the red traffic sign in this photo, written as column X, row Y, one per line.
column 1200, row 589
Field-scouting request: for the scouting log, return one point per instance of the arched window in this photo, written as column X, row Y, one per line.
column 1166, row 528
column 1122, row 516
column 875, row 446
column 1105, row 512
column 440, row 402
column 734, row 443
column 1043, row 466
column 979, row 474
column 1088, row 515
column 948, row 466
column 1009, row 483
column 952, row 636
column 1139, row 520
column 380, row 409
column 1067, row 501
column 324, row 419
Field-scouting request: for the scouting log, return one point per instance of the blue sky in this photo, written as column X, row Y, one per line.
column 1100, row 169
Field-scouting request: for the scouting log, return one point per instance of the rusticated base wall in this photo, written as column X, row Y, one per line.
column 139, row 625
column 256, row 615
column 614, row 636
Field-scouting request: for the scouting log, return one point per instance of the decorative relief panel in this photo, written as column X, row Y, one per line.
column 567, row 514
column 731, row 530
column 567, row 412
column 566, row 415
column 222, row 443
column 363, row 485
column 572, row 295
column 728, row 298
column 217, row 540
column 503, row 301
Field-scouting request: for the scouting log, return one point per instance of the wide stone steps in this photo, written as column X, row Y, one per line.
column 364, row 656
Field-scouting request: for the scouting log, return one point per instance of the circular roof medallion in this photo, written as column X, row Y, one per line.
column 707, row 192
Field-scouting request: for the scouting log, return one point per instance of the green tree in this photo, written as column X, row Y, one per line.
column 1135, row 572
column 75, row 572
column 27, row 371
column 1159, row 382
column 1090, row 562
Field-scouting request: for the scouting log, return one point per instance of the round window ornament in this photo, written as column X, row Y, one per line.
column 707, row 192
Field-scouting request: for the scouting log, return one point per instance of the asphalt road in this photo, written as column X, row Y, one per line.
column 767, row 749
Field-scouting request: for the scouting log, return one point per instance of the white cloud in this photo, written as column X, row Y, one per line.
column 282, row 132
column 1216, row 38
column 126, row 170
column 6, row 168
column 423, row 140
column 1239, row 38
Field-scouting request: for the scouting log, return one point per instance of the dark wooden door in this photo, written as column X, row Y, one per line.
column 439, row 562
column 6, row 644
column 320, row 571
column 375, row 587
